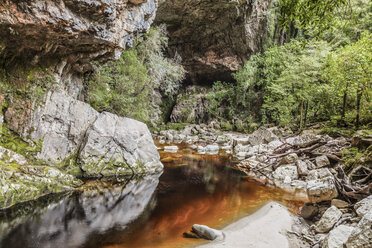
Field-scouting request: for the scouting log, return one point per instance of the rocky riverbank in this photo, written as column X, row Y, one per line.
column 309, row 166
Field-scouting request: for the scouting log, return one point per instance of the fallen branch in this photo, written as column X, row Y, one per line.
column 329, row 156
column 299, row 151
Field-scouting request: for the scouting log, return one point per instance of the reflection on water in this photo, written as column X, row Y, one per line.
column 76, row 219
column 143, row 213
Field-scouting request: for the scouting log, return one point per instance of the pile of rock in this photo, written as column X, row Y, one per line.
column 341, row 224
column 308, row 166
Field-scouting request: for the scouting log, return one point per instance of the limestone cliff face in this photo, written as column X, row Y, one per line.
column 66, row 36
column 80, row 30
column 213, row 37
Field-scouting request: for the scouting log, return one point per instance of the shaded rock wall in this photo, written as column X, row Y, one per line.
column 80, row 30
column 213, row 37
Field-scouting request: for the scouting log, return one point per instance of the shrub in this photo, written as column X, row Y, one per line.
column 128, row 87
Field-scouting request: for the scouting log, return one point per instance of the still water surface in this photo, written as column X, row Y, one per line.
column 152, row 211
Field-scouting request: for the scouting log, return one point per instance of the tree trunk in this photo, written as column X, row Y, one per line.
column 306, row 108
column 344, row 102
column 302, row 110
column 359, row 97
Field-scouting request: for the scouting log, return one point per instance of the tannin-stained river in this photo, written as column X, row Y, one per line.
column 149, row 211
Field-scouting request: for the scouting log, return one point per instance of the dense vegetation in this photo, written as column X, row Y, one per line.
column 312, row 78
column 132, row 85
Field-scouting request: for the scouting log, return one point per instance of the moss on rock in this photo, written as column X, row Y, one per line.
column 21, row 183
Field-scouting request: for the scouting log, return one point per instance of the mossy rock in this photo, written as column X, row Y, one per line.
column 20, row 183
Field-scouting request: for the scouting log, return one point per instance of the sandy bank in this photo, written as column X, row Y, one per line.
column 267, row 227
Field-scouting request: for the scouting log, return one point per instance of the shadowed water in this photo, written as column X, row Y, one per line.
column 145, row 212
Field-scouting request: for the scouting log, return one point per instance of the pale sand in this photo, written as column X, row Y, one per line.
column 266, row 228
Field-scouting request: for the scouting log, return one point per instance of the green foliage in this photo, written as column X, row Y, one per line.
column 27, row 83
column 309, row 14
column 283, row 85
column 349, row 73
column 170, row 126
column 14, row 142
column 127, row 86
column 353, row 157
column 348, row 23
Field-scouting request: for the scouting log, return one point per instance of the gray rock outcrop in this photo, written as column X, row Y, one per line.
column 102, row 144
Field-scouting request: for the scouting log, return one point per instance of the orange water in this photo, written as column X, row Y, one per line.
column 133, row 214
column 197, row 189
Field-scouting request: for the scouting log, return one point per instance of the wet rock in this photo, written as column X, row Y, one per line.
column 364, row 206
column 206, row 232
column 321, row 189
column 302, row 167
column 337, row 237
column 339, row 203
column 322, row 161
column 361, row 235
column 328, row 220
column 296, row 188
column 172, row 149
